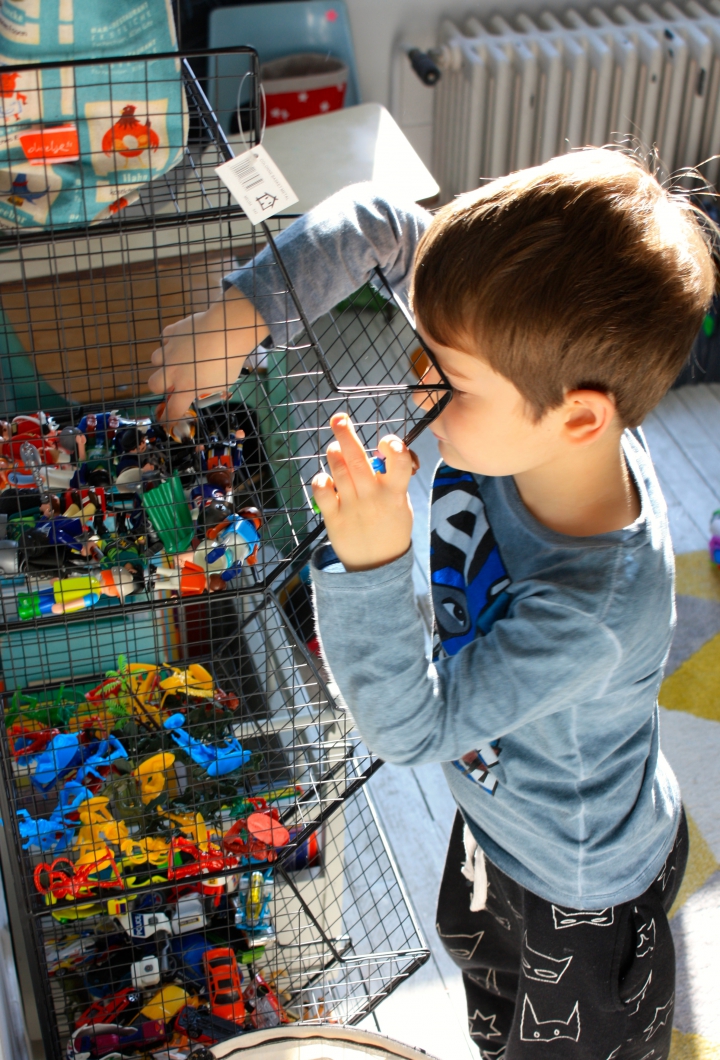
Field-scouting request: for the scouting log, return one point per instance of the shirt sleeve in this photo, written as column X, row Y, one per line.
column 543, row 657
column 331, row 252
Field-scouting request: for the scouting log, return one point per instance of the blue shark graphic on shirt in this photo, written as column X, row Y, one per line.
column 469, row 585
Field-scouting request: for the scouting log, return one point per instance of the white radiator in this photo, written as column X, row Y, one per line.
column 513, row 94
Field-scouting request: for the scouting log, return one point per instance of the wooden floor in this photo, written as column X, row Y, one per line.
column 414, row 805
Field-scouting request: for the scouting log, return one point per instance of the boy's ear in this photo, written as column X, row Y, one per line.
column 588, row 415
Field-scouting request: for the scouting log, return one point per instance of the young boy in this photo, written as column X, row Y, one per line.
column 561, row 303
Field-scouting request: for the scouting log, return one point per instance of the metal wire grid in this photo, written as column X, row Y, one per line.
column 82, row 308
column 344, row 939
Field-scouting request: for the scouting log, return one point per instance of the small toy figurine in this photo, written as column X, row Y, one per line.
column 218, row 559
column 255, row 894
column 133, row 447
column 715, row 537
column 216, row 761
column 75, row 594
column 24, row 428
column 56, row 832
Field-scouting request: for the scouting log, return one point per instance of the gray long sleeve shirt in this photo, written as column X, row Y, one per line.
column 541, row 702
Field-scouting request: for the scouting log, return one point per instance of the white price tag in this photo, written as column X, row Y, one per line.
column 257, row 184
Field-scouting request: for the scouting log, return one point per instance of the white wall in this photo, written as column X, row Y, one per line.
column 377, row 26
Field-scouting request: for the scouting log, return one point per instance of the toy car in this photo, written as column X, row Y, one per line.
column 263, row 1004
column 224, row 981
column 201, row 1025
column 188, row 914
column 100, row 1039
column 127, row 1001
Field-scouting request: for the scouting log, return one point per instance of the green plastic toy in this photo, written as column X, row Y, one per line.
column 170, row 516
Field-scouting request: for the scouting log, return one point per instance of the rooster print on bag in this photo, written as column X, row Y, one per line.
column 469, row 586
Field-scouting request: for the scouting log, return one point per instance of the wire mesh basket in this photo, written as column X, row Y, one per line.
column 175, row 766
column 333, row 936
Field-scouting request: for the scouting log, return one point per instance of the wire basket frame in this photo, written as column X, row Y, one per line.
column 336, row 937
column 173, row 759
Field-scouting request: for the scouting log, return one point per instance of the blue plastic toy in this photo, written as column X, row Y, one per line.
column 253, row 904
column 378, row 464
column 54, row 833
column 190, row 949
column 216, row 761
column 108, row 751
column 63, row 754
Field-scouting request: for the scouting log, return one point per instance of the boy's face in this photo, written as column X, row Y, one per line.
column 486, row 428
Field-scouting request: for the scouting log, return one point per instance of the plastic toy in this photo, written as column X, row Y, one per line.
column 101, row 1039
column 190, row 948
column 166, row 1004
column 255, row 894
column 64, row 879
column 263, row 1004
column 56, row 832
column 258, row 836
column 169, row 514
column 202, row 1025
column 217, row 761
column 187, row 860
column 224, row 980
column 239, row 536
column 127, row 1002
column 152, row 775
column 188, row 915
column 63, row 753
column 66, row 954
column 143, row 925
column 146, row 972
column 74, row 594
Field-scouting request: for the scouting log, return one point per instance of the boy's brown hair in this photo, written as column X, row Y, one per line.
column 580, row 274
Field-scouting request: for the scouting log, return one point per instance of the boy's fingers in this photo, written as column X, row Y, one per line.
column 352, row 449
column 177, row 406
column 324, row 493
column 156, row 382
column 157, row 357
column 338, row 466
column 398, row 462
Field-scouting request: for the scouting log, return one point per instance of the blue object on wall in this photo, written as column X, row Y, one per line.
column 276, row 30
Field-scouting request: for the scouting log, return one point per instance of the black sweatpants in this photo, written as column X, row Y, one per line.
column 544, row 982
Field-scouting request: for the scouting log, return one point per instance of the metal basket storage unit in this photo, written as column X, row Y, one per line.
column 180, row 786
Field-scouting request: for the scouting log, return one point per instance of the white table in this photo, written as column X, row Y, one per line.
column 323, row 154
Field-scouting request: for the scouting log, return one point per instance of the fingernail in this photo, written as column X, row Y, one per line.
column 396, row 445
column 341, row 420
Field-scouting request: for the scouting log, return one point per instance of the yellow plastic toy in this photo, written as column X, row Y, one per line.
column 195, row 681
column 152, row 775
column 166, row 1003
column 98, row 826
column 193, row 826
column 151, row 849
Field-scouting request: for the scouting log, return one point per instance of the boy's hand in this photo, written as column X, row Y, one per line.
column 204, row 353
column 368, row 516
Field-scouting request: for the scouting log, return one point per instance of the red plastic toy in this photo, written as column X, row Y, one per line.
column 108, row 1010
column 259, row 835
